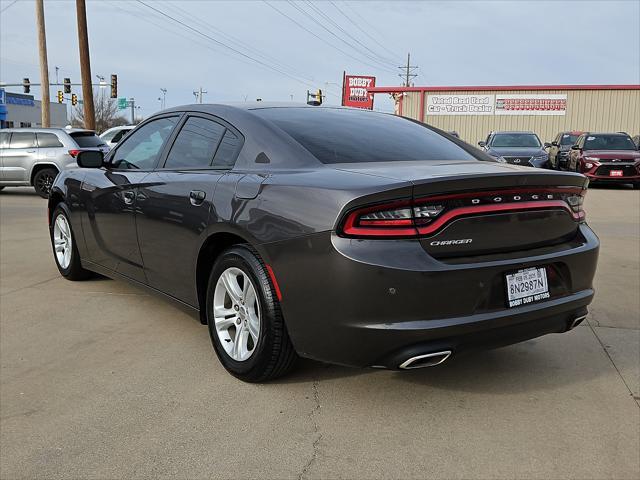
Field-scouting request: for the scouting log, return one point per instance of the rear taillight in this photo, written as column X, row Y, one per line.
column 425, row 216
column 74, row 153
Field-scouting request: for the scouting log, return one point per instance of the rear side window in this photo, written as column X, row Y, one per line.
column 352, row 136
column 48, row 140
column 196, row 144
column 87, row 139
column 23, row 140
column 227, row 151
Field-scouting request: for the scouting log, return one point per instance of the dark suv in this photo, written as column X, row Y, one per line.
column 606, row 157
column 519, row 148
column 560, row 149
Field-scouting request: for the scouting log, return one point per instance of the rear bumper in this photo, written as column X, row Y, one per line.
column 375, row 302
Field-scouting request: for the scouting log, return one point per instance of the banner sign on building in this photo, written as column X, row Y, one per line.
column 452, row 104
column 355, row 91
column 531, row 104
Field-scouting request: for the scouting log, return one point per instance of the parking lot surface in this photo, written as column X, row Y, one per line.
column 99, row 379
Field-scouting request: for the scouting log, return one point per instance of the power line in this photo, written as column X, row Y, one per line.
column 224, row 45
column 9, row 6
column 375, row 56
column 308, row 15
column 317, row 36
column 357, row 25
column 364, row 20
column 241, row 44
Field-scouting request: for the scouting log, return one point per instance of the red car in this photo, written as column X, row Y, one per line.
column 606, row 157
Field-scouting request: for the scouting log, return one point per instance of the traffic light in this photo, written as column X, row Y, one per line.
column 319, row 97
column 114, row 86
column 26, row 84
column 74, row 99
column 67, row 85
column 314, row 98
column 60, row 96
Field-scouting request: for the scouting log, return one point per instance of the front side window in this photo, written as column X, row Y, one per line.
column 515, row 140
column 4, row 139
column 608, row 142
column 196, row 144
column 23, row 140
column 48, row 140
column 142, row 148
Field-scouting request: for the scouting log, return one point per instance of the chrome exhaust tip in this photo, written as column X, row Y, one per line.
column 577, row 321
column 426, row 360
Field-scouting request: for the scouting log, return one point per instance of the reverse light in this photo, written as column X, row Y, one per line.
column 425, row 216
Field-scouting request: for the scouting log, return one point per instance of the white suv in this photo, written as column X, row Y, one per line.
column 34, row 156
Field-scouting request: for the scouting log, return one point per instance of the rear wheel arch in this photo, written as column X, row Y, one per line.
column 39, row 167
column 209, row 252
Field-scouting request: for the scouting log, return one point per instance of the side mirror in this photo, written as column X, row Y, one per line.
column 547, row 144
column 90, row 159
column 482, row 144
column 575, row 147
column 554, row 144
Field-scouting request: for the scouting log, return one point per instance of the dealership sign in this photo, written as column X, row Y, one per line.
column 530, row 104
column 524, row 104
column 355, row 91
column 460, row 104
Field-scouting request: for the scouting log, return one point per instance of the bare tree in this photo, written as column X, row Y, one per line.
column 106, row 112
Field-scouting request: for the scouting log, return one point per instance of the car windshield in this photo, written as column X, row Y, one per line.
column 515, row 140
column 87, row 139
column 568, row 139
column 335, row 135
column 608, row 142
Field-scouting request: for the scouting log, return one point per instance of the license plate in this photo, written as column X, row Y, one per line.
column 615, row 173
column 527, row 286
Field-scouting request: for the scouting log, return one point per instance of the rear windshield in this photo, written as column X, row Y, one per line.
column 352, row 136
column 609, row 142
column 87, row 139
column 515, row 140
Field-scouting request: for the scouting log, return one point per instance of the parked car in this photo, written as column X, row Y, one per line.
column 34, row 156
column 636, row 141
column 518, row 148
column 560, row 148
column 289, row 233
column 112, row 136
column 606, row 158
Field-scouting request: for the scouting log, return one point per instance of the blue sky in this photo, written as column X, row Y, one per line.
column 452, row 42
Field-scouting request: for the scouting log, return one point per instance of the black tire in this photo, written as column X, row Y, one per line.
column 273, row 355
column 636, row 186
column 74, row 270
column 43, row 180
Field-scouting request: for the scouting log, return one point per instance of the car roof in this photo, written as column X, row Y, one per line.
column 514, row 131
column 46, row 129
column 614, row 134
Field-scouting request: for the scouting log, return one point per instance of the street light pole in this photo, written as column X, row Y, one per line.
column 164, row 98
column 44, row 65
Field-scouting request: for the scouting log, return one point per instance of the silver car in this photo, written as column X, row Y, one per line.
column 34, row 156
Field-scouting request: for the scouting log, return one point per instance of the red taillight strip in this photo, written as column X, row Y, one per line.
column 276, row 287
column 504, row 207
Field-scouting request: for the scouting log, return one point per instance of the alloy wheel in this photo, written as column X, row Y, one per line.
column 236, row 312
column 44, row 183
column 62, row 241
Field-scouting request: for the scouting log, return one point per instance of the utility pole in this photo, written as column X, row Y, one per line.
column 132, row 103
column 85, row 66
column 44, row 66
column 164, row 98
column 198, row 94
column 408, row 72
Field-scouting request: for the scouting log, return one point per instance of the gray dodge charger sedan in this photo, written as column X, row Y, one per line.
column 347, row 236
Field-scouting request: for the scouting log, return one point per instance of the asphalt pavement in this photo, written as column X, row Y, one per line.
column 100, row 380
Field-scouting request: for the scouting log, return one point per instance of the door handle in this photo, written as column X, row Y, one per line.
column 31, row 151
column 196, row 197
column 128, row 197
